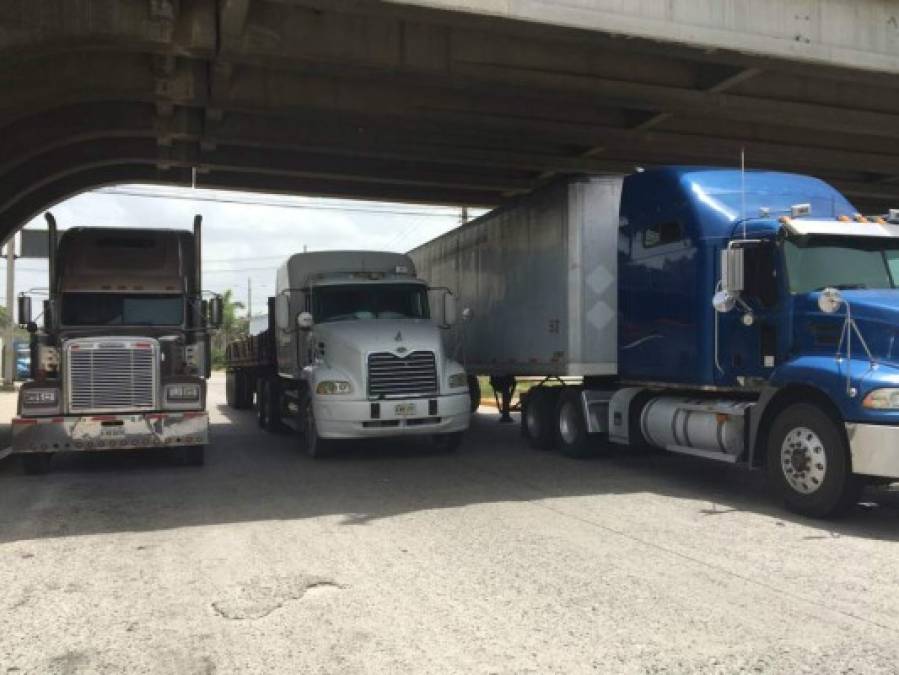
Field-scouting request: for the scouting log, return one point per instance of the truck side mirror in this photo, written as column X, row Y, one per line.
column 24, row 310
column 305, row 321
column 216, row 312
column 450, row 309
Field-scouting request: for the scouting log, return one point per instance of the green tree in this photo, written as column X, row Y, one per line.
column 233, row 327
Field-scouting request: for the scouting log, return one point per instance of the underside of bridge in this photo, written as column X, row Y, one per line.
column 381, row 100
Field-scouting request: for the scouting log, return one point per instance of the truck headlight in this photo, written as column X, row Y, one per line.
column 40, row 398
column 328, row 387
column 182, row 392
column 458, row 381
column 882, row 399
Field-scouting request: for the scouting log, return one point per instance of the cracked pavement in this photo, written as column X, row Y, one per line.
column 391, row 558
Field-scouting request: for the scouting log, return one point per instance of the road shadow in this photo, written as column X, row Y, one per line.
column 253, row 476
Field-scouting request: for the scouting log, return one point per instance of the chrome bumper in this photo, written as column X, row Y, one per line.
column 109, row 432
column 874, row 449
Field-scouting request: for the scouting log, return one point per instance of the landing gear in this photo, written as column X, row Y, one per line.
column 503, row 389
column 808, row 463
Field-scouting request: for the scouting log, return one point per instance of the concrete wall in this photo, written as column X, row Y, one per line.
column 860, row 34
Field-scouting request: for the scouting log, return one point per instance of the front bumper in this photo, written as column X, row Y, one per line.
column 109, row 432
column 354, row 419
column 874, row 449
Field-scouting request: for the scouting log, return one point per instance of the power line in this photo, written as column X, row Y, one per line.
column 261, row 202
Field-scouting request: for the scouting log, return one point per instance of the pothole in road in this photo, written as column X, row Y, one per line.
column 260, row 597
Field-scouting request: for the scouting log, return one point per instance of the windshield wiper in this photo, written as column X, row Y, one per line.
column 843, row 287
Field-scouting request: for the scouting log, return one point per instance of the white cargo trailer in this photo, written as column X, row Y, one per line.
column 537, row 282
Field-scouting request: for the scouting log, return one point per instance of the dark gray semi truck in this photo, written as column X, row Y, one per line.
column 121, row 355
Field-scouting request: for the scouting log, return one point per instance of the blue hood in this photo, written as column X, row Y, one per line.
column 875, row 311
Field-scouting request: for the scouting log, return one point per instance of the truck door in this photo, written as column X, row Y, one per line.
column 749, row 337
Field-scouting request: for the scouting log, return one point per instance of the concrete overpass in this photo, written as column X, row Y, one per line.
column 449, row 101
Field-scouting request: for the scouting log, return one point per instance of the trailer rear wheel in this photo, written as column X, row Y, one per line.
column 260, row 403
column 574, row 441
column 244, row 391
column 538, row 417
column 36, row 463
column 808, row 463
column 316, row 446
column 231, row 388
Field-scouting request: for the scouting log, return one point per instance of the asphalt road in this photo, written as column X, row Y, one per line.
column 391, row 558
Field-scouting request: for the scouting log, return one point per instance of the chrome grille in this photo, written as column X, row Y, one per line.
column 111, row 375
column 394, row 376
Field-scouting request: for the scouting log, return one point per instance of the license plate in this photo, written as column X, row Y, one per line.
column 404, row 409
column 112, row 432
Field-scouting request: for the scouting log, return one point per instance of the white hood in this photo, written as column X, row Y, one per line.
column 346, row 344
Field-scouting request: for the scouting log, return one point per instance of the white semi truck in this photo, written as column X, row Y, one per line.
column 353, row 350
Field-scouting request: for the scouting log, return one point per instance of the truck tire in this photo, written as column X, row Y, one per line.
column 808, row 463
column 538, row 417
column 245, row 391
column 447, row 442
column 574, row 441
column 231, row 389
column 474, row 391
column 272, row 404
column 316, row 446
column 36, row 463
column 260, row 403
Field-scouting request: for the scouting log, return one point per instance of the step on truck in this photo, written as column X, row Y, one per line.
column 121, row 358
column 747, row 318
column 354, row 349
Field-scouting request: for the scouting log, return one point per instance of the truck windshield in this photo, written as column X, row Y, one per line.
column 119, row 309
column 370, row 301
column 814, row 263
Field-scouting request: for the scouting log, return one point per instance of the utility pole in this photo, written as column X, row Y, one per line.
column 9, row 357
column 463, row 216
column 249, row 302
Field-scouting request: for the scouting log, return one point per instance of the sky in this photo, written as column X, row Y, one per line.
column 245, row 235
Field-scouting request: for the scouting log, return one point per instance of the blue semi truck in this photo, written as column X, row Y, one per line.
column 743, row 317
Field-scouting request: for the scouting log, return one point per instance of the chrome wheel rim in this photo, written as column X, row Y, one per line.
column 803, row 460
column 568, row 423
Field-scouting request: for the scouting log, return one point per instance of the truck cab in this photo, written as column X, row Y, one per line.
column 358, row 353
column 768, row 293
column 122, row 356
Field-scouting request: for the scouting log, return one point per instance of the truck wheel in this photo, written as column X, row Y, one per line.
column 808, row 463
column 538, row 417
column 191, row 455
column 447, row 442
column 231, row 389
column 245, row 392
column 260, row 403
column 574, row 441
column 271, row 403
column 36, row 463
column 316, row 446
column 474, row 391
